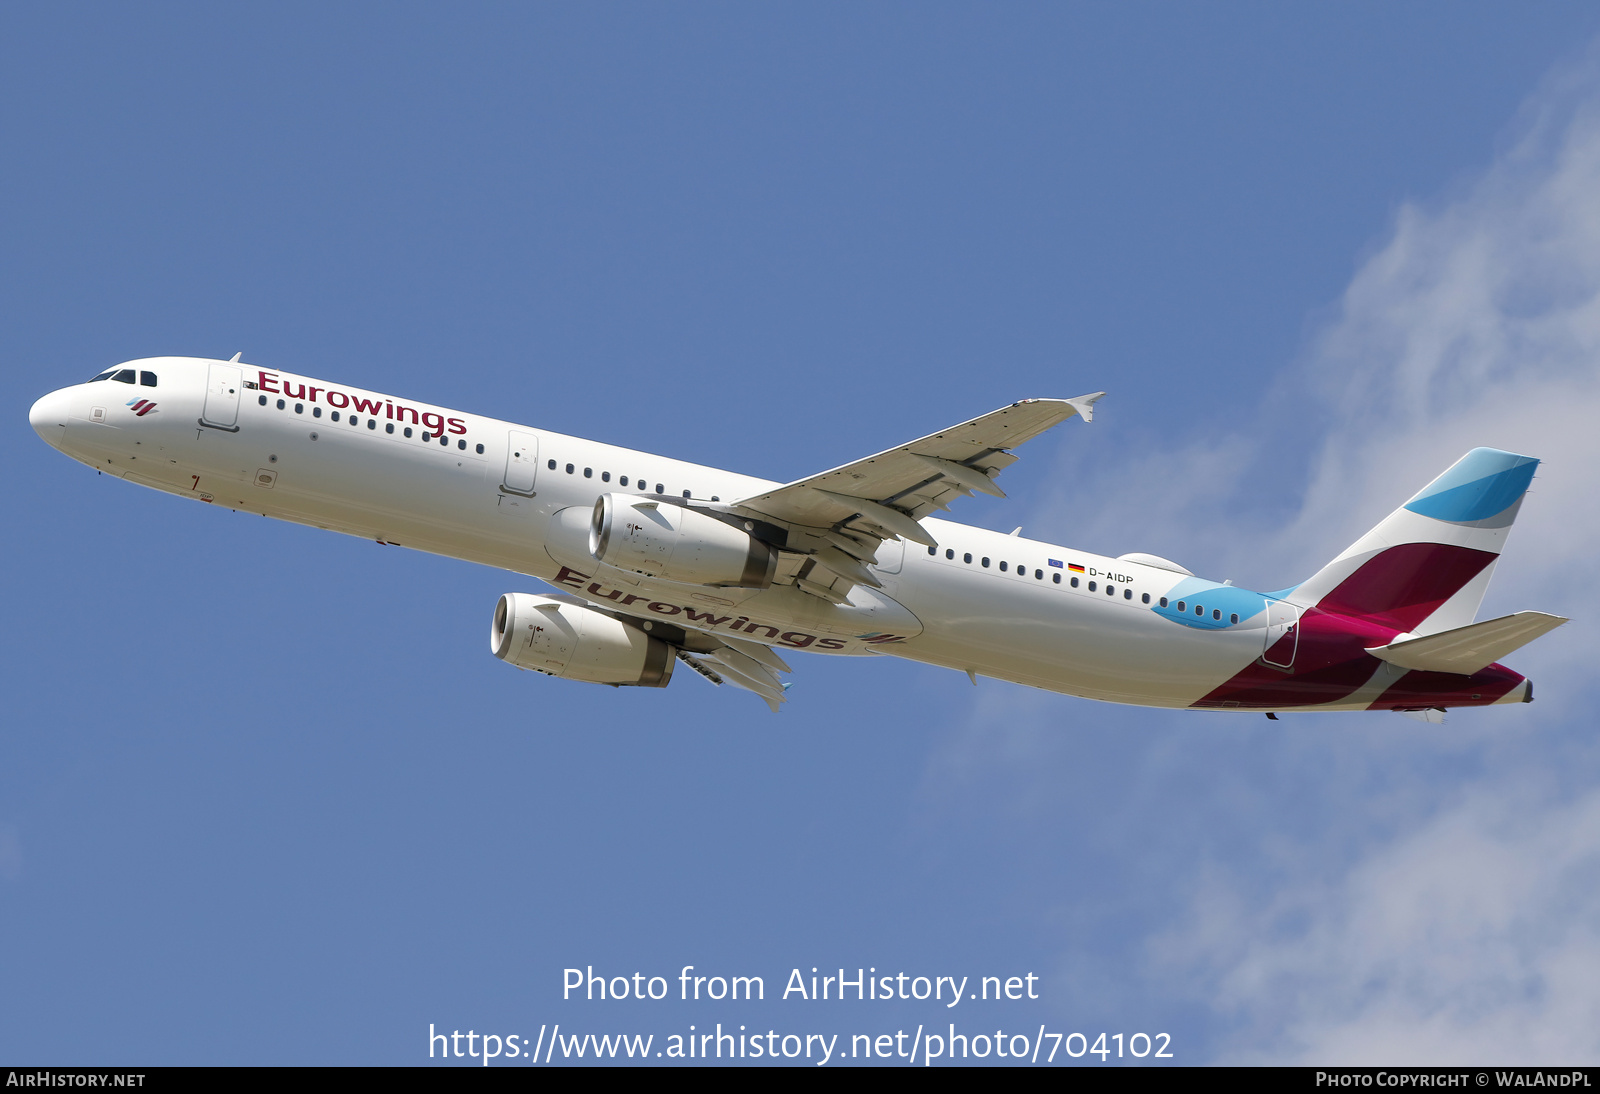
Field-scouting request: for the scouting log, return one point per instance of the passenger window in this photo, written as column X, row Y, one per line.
column 570, row 469
column 480, row 450
column 949, row 553
column 334, row 415
column 124, row 377
column 967, row 558
column 686, row 493
column 444, row 442
column 372, row 423
column 1092, row 587
column 605, row 476
column 660, row 489
column 623, row 481
column 1163, row 602
column 299, row 408
column 316, row 412
column 280, row 404
column 1111, row 590
column 933, row 550
column 1002, row 567
column 461, row 445
column 1216, row 613
column 408, row 431
column 588, row 472
column 1056, row 578
column 1074, row 583
column 985, row 562
column 1182, row 607
column 1127, row 594
column 389, row 428
column 261, row 400
column 1038, row 575
column 1145, row 599
column 715, row 498
column 147, row 379
column 1199, row 609
column 1234, row 618
column 552, row 462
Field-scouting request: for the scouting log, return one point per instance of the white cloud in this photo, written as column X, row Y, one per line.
column 1472, row 934
column 1462, row 926
column 1474, row 939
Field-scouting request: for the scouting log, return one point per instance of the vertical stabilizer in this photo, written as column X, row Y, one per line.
column 1425, row 568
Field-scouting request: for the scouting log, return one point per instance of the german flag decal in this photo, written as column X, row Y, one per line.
column 1074, row 567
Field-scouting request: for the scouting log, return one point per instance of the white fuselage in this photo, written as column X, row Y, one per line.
column 520, row 498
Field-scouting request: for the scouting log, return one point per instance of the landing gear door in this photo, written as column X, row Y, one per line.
column 1283, row 634
column 522, row 463
column 222, row 397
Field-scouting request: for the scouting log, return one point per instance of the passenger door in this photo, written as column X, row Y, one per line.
column 222, row 397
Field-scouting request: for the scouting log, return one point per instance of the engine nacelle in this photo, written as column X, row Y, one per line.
column 668, row 541
column 577, row 643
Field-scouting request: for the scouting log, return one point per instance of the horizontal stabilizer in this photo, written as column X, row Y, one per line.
column 1467, row 650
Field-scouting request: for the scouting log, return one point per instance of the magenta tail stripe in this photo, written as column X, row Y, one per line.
column 1403, row 585
column 1444, row 689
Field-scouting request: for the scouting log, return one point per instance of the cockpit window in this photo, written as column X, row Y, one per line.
column 124, row 377
column 106, row 375
column 147, row 379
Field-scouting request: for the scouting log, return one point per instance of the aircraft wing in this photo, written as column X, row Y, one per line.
column 850, row 510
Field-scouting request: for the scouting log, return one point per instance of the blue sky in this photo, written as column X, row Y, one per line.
column 265, row 797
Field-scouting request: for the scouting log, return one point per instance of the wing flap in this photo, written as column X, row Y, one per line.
column 746, row 665
column 1468, row 649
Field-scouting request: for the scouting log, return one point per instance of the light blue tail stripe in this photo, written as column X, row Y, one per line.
column 1481, row 484
column 1229, row 600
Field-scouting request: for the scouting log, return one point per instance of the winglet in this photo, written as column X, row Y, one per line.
column 1084, row 404
column 234, row 360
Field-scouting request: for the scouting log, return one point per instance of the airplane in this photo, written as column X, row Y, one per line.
column 652, row 562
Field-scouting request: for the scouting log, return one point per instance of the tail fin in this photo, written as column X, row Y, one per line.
column 1425, row 568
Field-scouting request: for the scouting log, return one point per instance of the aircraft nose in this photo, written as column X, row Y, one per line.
column 49, row 416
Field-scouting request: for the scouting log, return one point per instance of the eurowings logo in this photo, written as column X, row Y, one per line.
column 141, row 407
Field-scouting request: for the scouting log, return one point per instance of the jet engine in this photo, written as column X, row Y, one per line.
column 674, row 543
column 573, row 641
